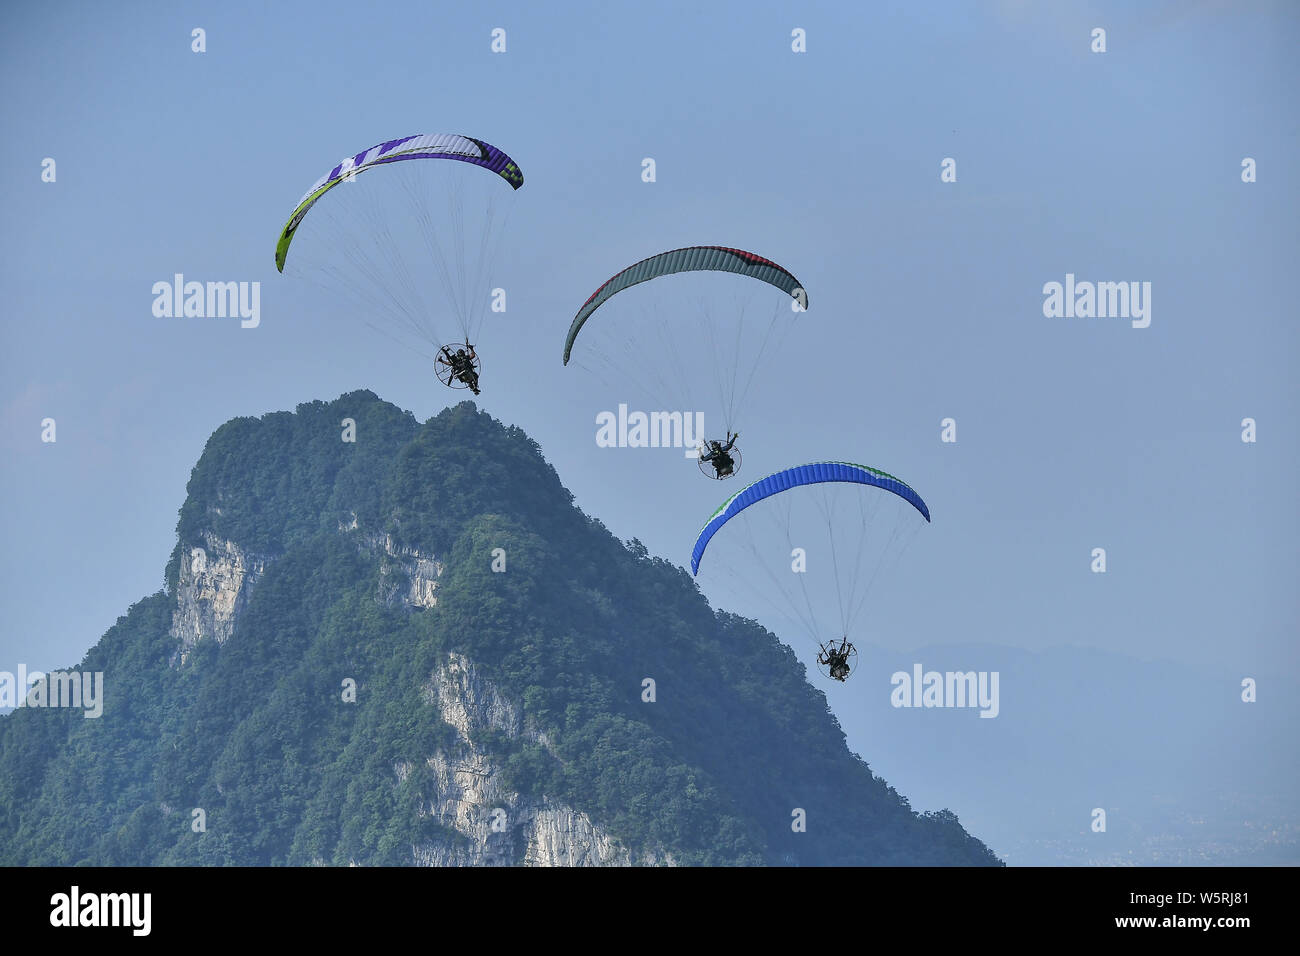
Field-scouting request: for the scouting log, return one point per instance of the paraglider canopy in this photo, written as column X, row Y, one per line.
column 810, row 474
column 410, row 250
column 690, row 259
column 420, row 146
column 811, row 542
column 697, row 340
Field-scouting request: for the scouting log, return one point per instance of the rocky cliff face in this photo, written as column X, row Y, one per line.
column 495, row 826
column 499, row 825
column 217, row 579
column 407, row 577
column 215, row 582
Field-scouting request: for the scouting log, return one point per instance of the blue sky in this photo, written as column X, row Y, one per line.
column 926, row 298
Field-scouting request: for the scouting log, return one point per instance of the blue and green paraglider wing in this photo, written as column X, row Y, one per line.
column 810, row 474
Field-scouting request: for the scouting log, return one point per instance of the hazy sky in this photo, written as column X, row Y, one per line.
column 926, row 297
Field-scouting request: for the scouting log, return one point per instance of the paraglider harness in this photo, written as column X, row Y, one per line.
column 719, row 456
column 462, row 366
column 836, row 658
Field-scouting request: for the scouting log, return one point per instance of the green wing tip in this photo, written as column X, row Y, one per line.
column 281, row 253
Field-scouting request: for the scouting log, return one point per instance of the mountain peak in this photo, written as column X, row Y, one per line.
column 392, row 642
